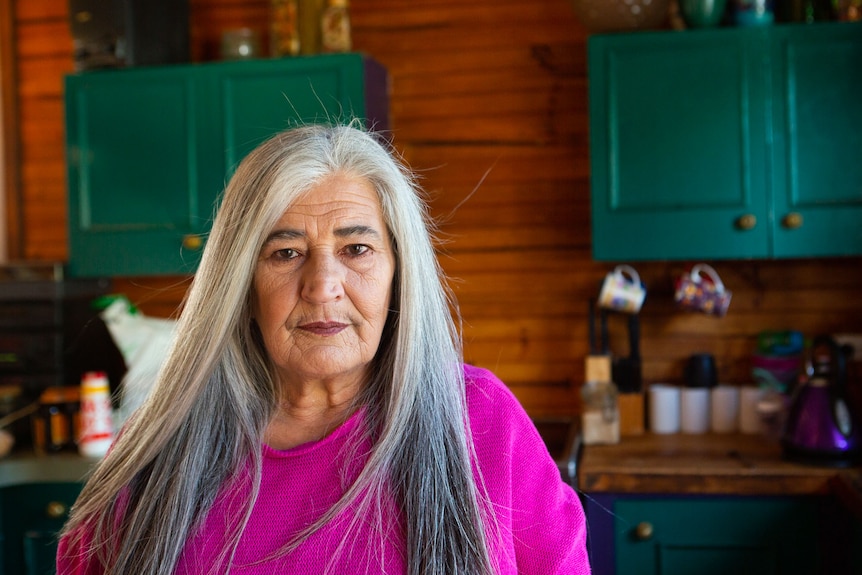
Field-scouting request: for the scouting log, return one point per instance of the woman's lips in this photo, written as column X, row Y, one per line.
column 324, row 328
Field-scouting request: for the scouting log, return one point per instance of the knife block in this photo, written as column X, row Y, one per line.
column 630, row 405
column 632, row 415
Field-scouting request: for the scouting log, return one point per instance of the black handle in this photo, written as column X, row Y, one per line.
column 634, row 337
column 605, row 343
column 837, row 361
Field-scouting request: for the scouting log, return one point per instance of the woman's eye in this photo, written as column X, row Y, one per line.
column 285, row 254
column 357, row 249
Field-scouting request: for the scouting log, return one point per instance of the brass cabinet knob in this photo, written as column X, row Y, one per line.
column 746, row 222
column 193, row 242
column 56, row 510
column 644, row 531
column 792, row 221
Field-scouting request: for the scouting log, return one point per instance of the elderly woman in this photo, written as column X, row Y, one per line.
column 314, row 414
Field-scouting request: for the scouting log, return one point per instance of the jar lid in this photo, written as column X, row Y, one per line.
column 68, row 394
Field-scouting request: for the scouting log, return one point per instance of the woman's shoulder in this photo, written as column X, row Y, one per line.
column 492, row 407
column 485, row 390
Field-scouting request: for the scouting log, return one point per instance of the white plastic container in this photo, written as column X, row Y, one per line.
column 725, row 408
column 695, row 410
column 97, row 423
column 664, row 408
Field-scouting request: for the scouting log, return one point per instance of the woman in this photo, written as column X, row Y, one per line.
column 314, row 414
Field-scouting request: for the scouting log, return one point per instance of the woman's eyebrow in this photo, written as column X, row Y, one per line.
column 357, row 230
column 284, row 234
column 344, row 232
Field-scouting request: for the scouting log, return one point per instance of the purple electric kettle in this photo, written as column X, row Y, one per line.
column 820, row 427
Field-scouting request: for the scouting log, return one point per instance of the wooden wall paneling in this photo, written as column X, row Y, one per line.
column 12, row 244
column 489, row 106
column 41, row 10
column 45, row 48
column 41, row 123
column 44, row 38
column 42, row 77
column 154, row 296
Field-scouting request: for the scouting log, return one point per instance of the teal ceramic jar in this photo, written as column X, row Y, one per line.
column 702, row 13
column 753, row 12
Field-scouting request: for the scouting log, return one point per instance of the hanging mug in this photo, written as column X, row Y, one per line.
column 621, row 293
column 696, row 292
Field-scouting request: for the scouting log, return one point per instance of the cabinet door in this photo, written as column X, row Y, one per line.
column 30, row 517
column 757, row 536
column 257, row 99
column 818, row 135
column 252, row 101
column 677, row 143
column 132, row 170
column 150, row 150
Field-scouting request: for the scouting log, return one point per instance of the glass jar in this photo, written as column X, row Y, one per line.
column 335, row 27
column 284, row 28
column 240, row 44
column 57, row 421
column 601, row 416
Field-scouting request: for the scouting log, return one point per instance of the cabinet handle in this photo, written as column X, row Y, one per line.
column 792, row 221
column 192, row 242
column 644, row 531
column 746, row 222
column 56, row 510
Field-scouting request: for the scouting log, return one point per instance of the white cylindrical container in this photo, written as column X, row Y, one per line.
column 749, row 418
column 664, row 408
column 695, row 410
column 97, row 424
column 725, row 409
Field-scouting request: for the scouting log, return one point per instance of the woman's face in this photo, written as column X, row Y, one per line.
column 323, row 283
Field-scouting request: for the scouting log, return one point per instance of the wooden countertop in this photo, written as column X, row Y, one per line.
column 730, row 464
column 24, row 468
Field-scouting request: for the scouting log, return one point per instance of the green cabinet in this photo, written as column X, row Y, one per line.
column 31, row 516
column 149, row 150
column 741, row 536
column 817, row 172
column 679, row 535
column 726, row 143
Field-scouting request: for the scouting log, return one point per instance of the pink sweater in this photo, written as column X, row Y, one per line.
column 541, row 523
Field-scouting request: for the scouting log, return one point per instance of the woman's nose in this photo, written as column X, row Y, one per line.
column 322, row 279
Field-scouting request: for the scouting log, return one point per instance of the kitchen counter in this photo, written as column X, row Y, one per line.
column 22, row 468
column 654, row 499
column 729, row 464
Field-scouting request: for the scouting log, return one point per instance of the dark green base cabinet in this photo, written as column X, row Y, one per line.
column 149, row 149
column 706, row 535
column 31, row 516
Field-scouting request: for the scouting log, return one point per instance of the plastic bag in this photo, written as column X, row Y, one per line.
column 144, row 342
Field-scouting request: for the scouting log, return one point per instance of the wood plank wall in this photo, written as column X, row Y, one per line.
column 489, row 105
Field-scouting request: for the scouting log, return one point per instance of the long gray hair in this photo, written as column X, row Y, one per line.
column 216, row 392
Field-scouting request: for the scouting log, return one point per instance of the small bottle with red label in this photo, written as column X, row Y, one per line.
column 97, row 421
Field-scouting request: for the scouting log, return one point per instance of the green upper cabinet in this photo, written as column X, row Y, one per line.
column 150, row 149
column 726, row 143
column 817, row 155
